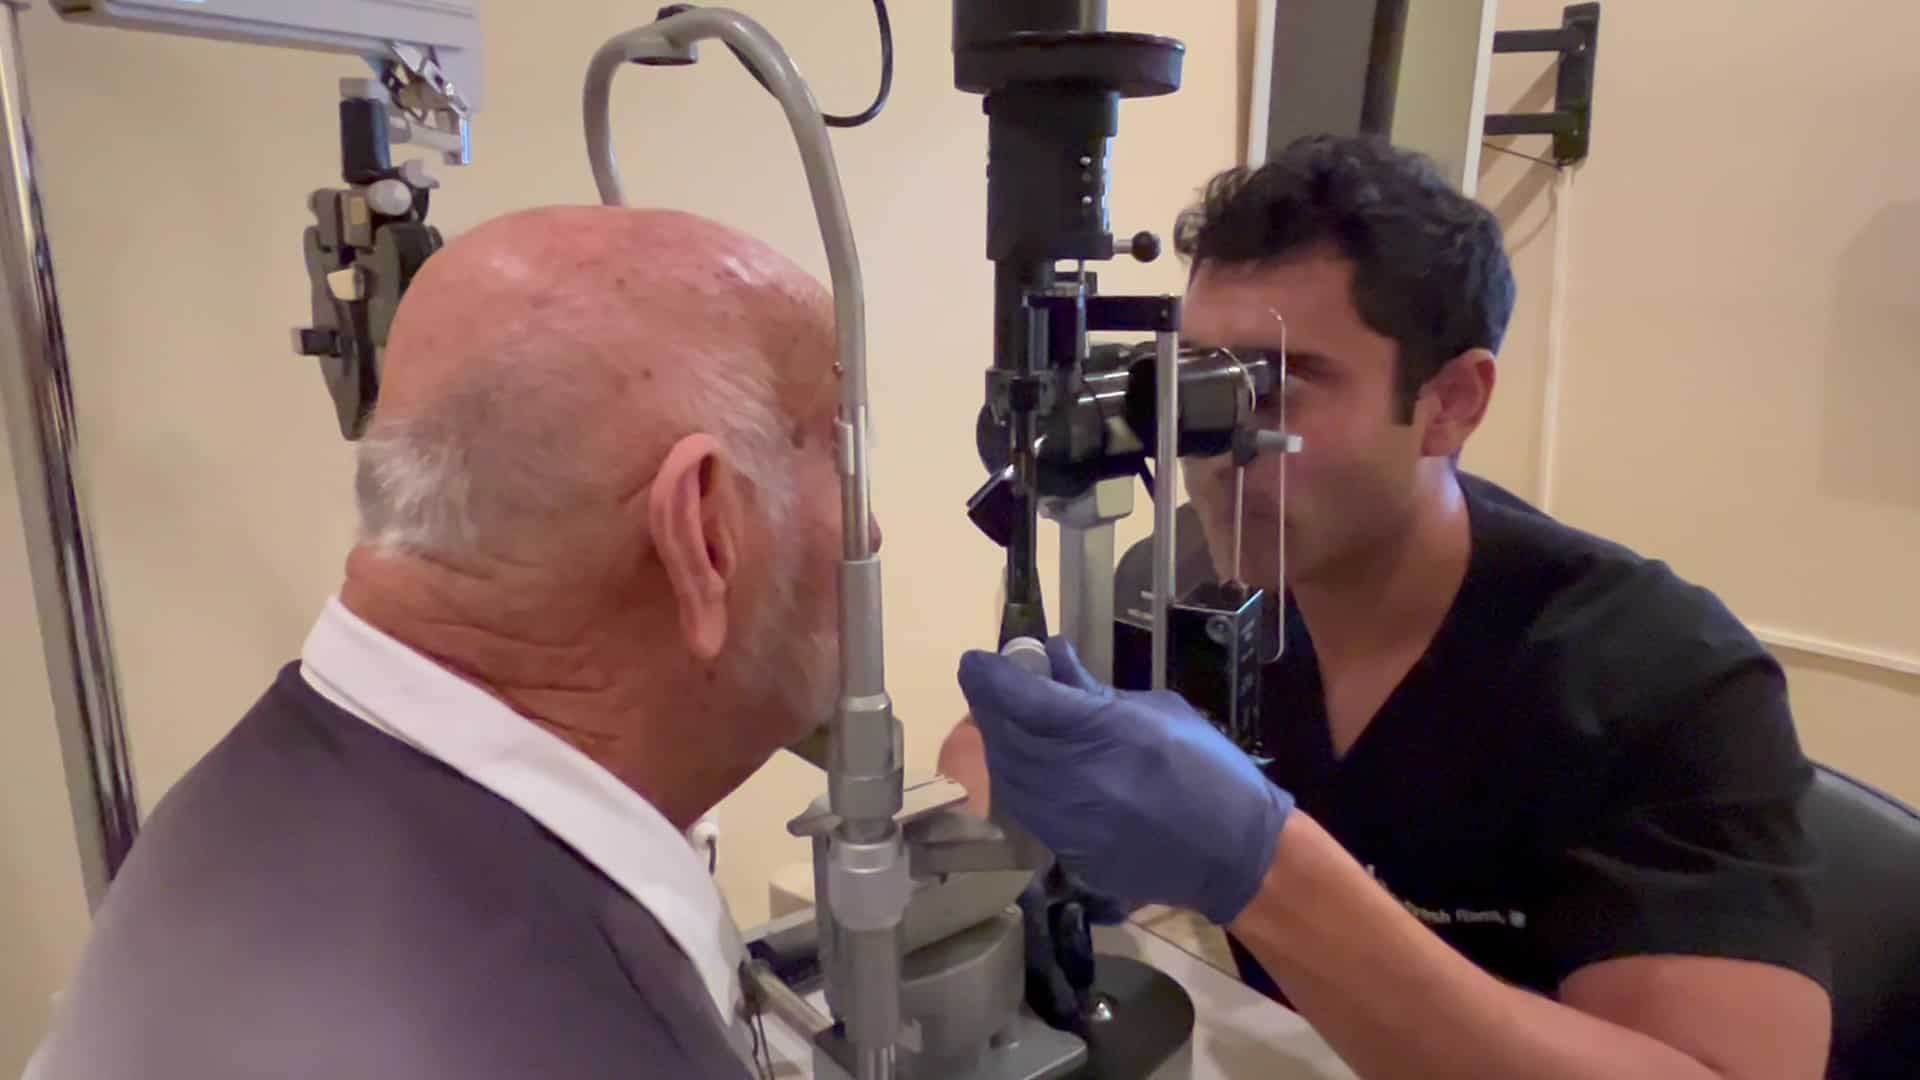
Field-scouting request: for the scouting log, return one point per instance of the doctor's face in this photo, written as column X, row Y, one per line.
column 1352, row 485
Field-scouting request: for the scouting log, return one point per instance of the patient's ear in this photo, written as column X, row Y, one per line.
column 693, row 513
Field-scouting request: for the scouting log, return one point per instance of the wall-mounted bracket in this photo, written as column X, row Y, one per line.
column 1571, row 121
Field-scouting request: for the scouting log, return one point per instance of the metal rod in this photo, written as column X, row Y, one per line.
column 875, row 1063
column 1086, row 595
column 1551, row 123
column 1240, row 470
column 1239, row 519
column 1286, row 443
column 1531, row 41
column 788, row 1007
column 1166, row 504
column 1020, row 347
column 1086, row 570
column 38, row 392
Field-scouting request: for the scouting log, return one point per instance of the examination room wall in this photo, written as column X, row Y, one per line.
column 176, row 174
column 1739, row 342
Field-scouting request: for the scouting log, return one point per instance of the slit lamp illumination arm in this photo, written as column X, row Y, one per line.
column 867, row 881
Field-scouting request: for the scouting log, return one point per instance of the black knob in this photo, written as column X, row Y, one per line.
column 687, row 54
column 311, row 342
column 1073, row 944
column 1145, row 247
column 992, row 508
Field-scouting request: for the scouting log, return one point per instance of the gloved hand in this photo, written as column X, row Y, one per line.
column 1135, row 793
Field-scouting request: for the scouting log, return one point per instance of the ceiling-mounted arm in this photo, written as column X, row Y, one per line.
column 370, row 237
column 434, row 50
column 437, row 43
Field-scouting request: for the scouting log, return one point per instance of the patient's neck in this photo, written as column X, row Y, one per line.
column 565, row 659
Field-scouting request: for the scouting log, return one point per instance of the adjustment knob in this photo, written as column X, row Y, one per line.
column 390, row 197
column 317, row 341
column 1144, row 246
column 1029, row 655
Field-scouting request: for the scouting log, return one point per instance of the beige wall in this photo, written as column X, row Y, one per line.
column 218, row 485
column 1739, row 357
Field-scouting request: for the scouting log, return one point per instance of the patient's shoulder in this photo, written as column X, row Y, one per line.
column 315, row 891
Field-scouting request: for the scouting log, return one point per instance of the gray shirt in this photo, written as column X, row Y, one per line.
column 318, row 899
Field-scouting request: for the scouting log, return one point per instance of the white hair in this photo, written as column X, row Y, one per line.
column 499, row 454
column 484, row 469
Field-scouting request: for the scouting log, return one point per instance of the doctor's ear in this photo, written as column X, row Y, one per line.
column 693, row 515
column 1455, row 402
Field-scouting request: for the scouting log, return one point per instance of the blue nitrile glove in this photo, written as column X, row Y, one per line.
column 1136, row 794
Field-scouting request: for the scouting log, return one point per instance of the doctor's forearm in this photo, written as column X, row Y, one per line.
column 1396, row 1001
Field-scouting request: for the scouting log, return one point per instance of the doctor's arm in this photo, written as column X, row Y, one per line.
column 1394, row 1000
column 1143, row 799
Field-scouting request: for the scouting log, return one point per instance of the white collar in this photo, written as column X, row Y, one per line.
column 399, row 691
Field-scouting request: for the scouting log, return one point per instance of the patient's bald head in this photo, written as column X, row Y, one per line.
column 599, row 480
column 566, row 348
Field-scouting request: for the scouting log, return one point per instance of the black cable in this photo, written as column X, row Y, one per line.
column 759, row 1050
column 760, row 1036
column 886, row 74
column 1554, row 165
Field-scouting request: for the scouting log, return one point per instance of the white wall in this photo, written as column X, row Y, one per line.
column 176, row 174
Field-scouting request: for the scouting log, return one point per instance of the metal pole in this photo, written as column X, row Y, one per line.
column 38, row 398
column 1086, row 569
column 1086, row 595
column 1166, row 501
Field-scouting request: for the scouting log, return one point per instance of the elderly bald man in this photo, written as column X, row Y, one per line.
column 593, row 593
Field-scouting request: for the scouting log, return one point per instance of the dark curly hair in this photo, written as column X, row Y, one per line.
column 1430, row 267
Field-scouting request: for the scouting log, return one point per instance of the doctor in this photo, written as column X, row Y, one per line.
column 1533, row 808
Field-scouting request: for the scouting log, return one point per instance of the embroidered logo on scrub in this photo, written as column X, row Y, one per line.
column 1508, row 917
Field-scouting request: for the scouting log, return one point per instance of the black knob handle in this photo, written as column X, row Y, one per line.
column 316, row 342
column 687, row 54
column 1073, row 945
column 1144, row 246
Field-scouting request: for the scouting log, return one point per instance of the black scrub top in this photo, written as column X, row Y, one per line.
column 1593, row 759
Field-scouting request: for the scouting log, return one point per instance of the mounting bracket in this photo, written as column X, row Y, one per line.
column 1571, row 121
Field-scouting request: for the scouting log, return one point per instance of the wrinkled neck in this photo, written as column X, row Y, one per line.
column 572, row 667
